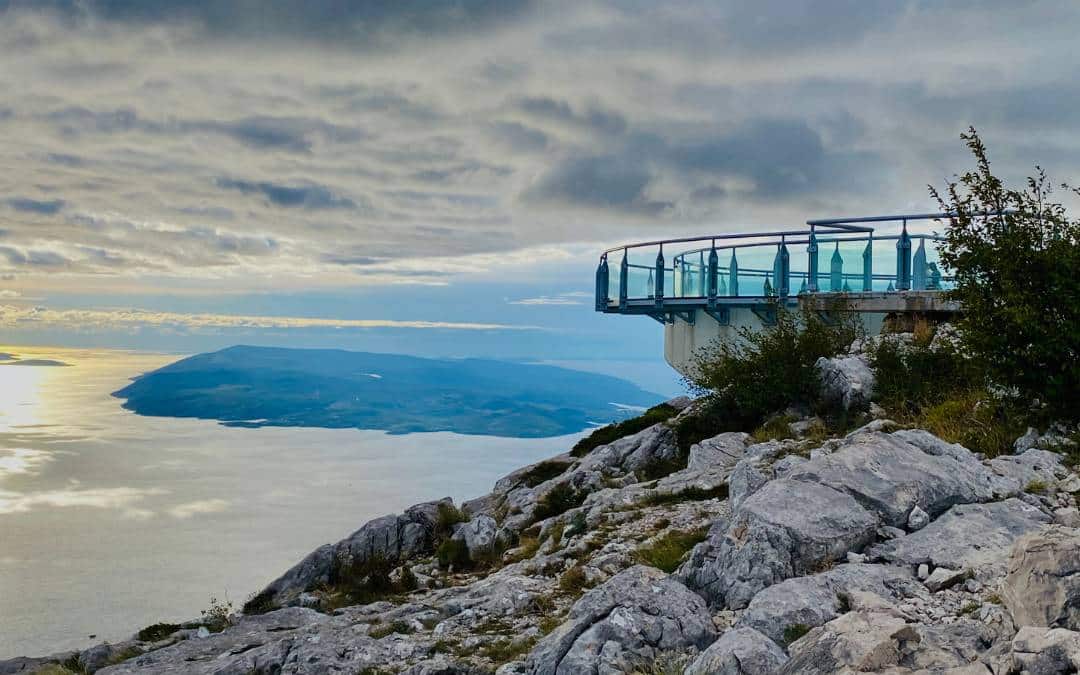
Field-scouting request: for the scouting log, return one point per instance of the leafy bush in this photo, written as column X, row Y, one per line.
column 218, row 616
column 1016, row 278
column 448, row 515
column 453, row 552
column 156, row 632
column 668, row 551
column 543, row 472
column 613, row 432
column 559, row 499
column 690, row 494
column 767, row 370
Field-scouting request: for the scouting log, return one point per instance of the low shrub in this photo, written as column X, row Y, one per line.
column 794, row 632
column 382, row 630
column 558, row 500
column 543, row 472
column 506, row 649
column 218, row 616
column 260, row 603
column 668, row 551
column 453, row 553
column 159, row 631
column 777, row 427
column 763, row 371
column 574, row 580
column 690, row 494
column 613, row 432
column 446, row 517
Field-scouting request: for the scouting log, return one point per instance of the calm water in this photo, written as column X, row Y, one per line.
column 110, row 522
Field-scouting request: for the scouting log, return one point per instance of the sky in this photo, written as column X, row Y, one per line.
column 439, row 177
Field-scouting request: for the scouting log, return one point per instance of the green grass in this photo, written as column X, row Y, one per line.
column 668, row 551
column 506, row 650
column 574, row 581
column 613, row 432
column 692, row 494
column 777, row 427
column 160, row 631
column 1036, row 487
column 794, row 632
column 382, row 630
column 543, row 472
column 560, row 499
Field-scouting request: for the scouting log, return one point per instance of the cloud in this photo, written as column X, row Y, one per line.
column 610, row 182
column 199, row 507
column 12, row 316
column 562, row 299
column 119, row 498
column 304, row 196
column 27, row 205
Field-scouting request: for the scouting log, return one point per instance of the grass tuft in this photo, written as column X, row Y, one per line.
column 668, row 551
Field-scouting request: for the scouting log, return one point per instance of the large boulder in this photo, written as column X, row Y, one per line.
column 628, row 621
column 721, row 451
column 846, row 381
column 1042, row 587
column 814, row 600
column 1031, row 466
column 890, row 476
column 1037, row 650
column 479, row 536
column 855, row 642
column 739, row 651
column 974, row 537
column 387, row 540
column 634, row 452
column 787, row 528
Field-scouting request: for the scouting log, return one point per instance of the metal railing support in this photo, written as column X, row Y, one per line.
column 624, row 273
column 660, row 277
column 903, row 260
column 812, row 251
column 602, row 284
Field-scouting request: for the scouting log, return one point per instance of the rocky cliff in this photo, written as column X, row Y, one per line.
column 881, row 550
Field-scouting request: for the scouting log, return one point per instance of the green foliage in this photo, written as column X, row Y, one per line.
column 574, row 580
column 690, row 494
column 455, row 553
column 260, row 603
column 408, row 581
column 218, row 616
column 667, row 552
column 446, row 516
column 543, row 472
column 794, row 632
column 559, row 499
column 767, row 370
column 578, row 525
column 613, row 432
column 1036, row 487
column 158, row 631
column 505, row 650
column 382, row 630
column 361, row 581
column 1016, row 277
column 777, row 427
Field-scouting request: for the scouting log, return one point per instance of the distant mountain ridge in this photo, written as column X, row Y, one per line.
column 266, row 386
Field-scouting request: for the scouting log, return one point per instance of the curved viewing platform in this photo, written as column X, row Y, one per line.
column 854, row 256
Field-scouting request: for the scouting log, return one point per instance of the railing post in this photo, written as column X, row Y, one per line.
column 836, row 270
column 602, row 284
column 783, row 281
column 714, row 273
column 812, row 250
column 918, row 268
column 701, row 274
column 733, row 276
column 868, row 265
column 660, row 277
column 903, row 260
column 624, row 273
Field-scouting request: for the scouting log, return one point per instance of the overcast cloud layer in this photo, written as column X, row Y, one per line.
column 253, row 146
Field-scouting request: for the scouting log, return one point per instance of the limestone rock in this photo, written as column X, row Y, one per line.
column 917, row 519
column 739, row 651
column 846, row 381
column 817, row 599
column 968, row 537
column 890, row 476
column 747, row 478
column 1031, row 466
column 943, row 577
column 856, row 641
column 787, row 528
column 723, row 450
column 1042, row 587
column 629, row 620
column 479, row 535
column 1046, row 651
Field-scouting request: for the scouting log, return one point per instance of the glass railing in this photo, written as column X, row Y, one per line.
column 835, row 256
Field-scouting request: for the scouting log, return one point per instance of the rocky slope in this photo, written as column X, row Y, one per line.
column 885, row 550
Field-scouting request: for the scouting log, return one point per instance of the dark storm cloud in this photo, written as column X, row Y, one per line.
column 26, row 205
column 605, row 182
column 363, row 24
column 290, row 196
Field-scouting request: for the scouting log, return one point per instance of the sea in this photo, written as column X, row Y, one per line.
column 110, row 521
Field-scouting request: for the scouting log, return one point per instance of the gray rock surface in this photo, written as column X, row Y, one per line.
column 787, row 528
column 722, row 451
column 817, row 599
column 1038, row 650
column 846, row 381
column 1032, row 465
column 890, row 476
column 628, row 621
column 974, row 537
column 739, row 651
column 1042, row 587
column 479, row 535
column 855, row 642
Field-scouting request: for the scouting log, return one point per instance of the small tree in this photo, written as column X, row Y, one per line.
column 1016, row 258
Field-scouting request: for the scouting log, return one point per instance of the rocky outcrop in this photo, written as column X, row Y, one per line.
column 1042, row 587
column 846, row 381
column 785, row 529
column 739, row 651
column 976, row 537
column 1046, row 651
column 865, row 642
column 719, row 452
column 627, row 622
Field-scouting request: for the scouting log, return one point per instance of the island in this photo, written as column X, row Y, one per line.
column 263, row 386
